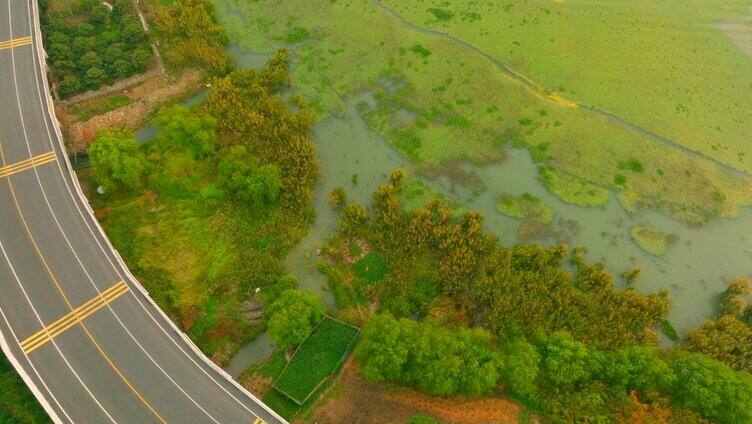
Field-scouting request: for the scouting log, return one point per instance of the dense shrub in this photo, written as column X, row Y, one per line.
column 520, row 291
column 728, row 338
column 190, row 36
column 250, row 112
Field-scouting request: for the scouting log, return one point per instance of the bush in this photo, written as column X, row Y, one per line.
column 116, row 161
column 566, row 362
column 521, row 365
column 180, row 128
column 293, row 316
column 637, row 368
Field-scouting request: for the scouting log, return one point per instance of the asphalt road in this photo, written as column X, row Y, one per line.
column 78, row 328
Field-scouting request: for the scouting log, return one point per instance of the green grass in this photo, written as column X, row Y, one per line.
column 371, row 268
column 318, row 357
column 17, row 404
column 431, row 76
column 545, row 41
column 84, row 111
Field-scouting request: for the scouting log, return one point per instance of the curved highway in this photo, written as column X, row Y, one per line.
column 81, row 331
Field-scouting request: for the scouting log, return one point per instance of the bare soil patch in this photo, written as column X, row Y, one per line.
column 359, row 401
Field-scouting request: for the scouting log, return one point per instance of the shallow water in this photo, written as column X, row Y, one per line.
column 250, row 354
column 695, row 270
column 345, row 147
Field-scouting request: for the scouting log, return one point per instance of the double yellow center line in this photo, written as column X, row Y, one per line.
column 7, row 171
column 16, row 42
column 72, row 318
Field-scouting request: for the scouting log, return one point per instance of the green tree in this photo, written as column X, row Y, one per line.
column 711, row 388
column 258, row 186
column 639, row 368
column 382, row 349
column 181, row 128
column 293, row 316
column 521, row 364
column 116, row 161
column 566, row 362
column 432, row 359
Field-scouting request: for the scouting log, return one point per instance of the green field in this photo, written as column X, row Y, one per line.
column 318, row 357
column 456, row 82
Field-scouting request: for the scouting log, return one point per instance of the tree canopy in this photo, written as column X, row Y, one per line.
column 293, row 316
column 180, row 128
column 431, row 358
column 116, row 161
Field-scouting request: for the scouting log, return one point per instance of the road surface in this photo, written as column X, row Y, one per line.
column 80, row 330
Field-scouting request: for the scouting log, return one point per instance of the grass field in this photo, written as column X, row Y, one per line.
column 441, row 99
column 318, row 357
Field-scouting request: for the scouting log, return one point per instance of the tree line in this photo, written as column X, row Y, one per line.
column 557, row 375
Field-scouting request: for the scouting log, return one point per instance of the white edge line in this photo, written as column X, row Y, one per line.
column 82, row 198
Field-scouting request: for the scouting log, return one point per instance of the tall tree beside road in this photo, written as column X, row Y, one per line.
column 116, row 161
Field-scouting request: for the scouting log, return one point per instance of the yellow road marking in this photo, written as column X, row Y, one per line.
column 7, row 171
column 72, row 318
column 259, row 421
column 16, row 42
column 60, row 290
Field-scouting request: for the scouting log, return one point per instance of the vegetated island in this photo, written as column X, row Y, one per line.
column 651, row 240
